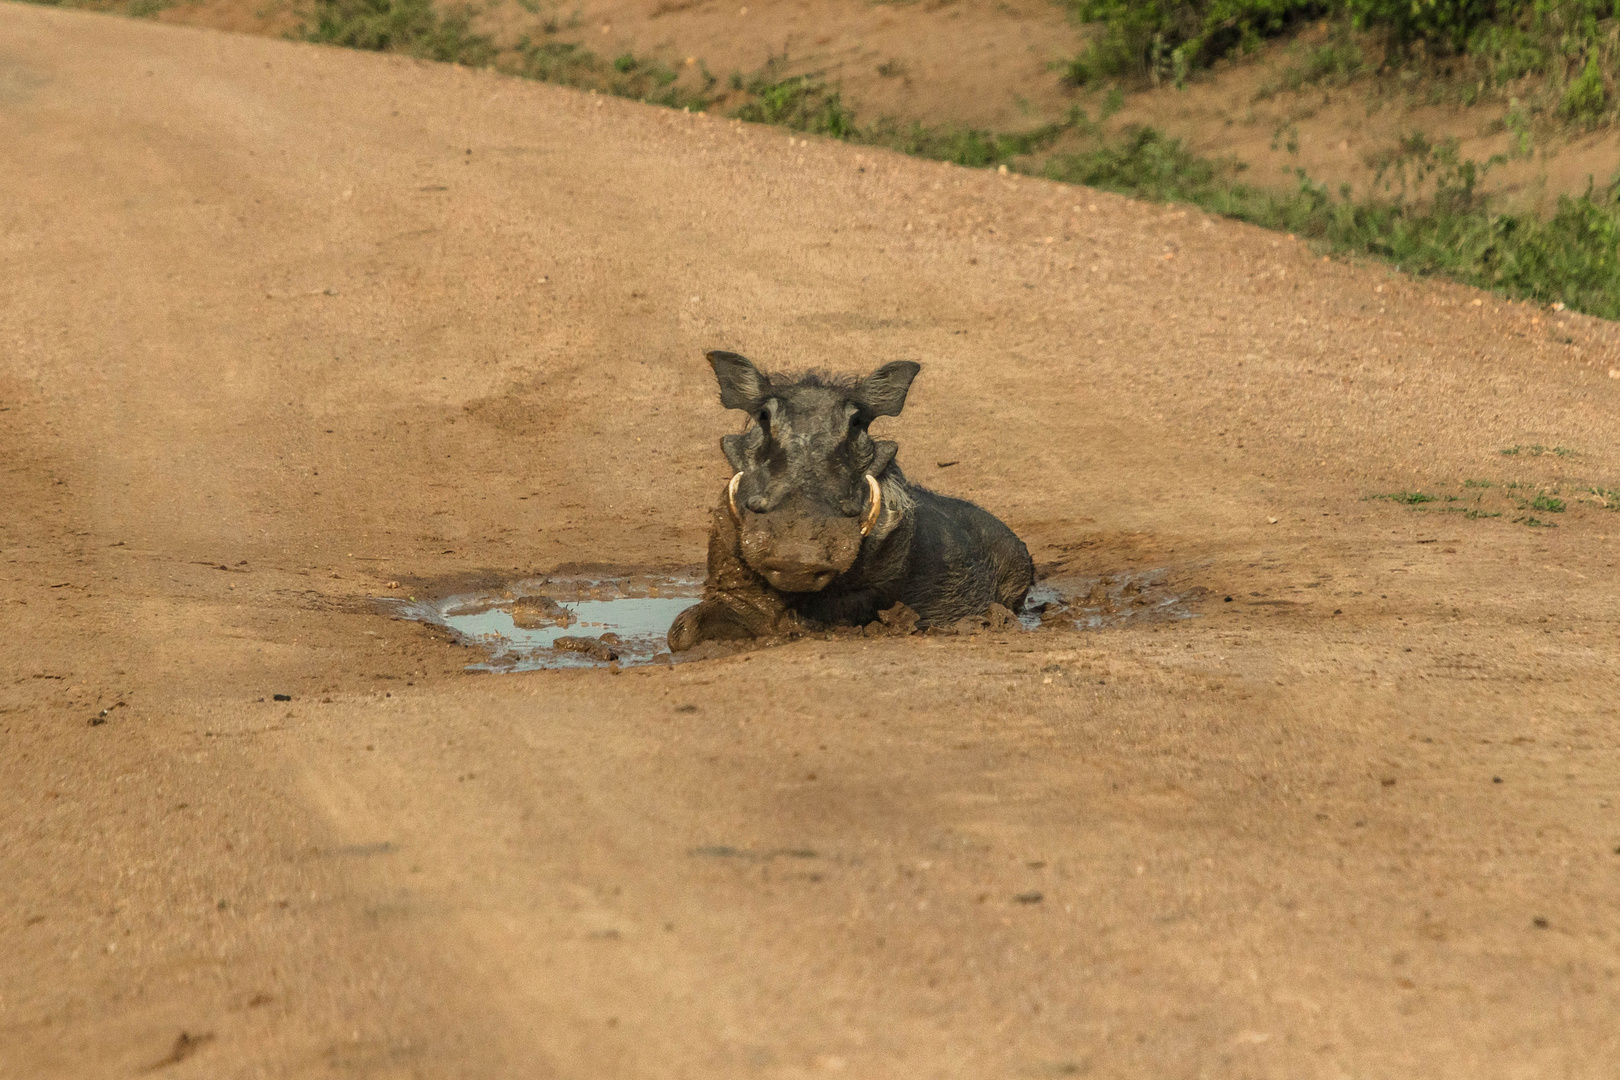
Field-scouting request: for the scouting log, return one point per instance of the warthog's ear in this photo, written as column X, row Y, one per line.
column 884, row 391
column 883, row 452
column 742, row 385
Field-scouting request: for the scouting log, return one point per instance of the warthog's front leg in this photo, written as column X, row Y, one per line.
column 737, row 603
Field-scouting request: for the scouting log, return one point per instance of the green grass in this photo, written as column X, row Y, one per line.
column 419, row 28
column 1568, row 48
column 1335, row 63
column 1157, row 40
column 1532, row 510
column 134, row 9
column 415, row 27
column 1537, row 451
column 801, row 102
column 1451, row 230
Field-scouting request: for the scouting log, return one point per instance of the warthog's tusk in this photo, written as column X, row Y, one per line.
column 869, row 519
column 731, row 497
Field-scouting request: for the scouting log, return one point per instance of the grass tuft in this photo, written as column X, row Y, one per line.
column 1537, row 450
column 414, row 27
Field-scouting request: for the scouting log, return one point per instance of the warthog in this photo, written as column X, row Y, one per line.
column 819, row 526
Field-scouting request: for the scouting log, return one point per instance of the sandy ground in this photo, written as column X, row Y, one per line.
column 281, row 324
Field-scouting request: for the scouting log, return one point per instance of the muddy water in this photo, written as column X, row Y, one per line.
column 585, row 622
column 546, row 623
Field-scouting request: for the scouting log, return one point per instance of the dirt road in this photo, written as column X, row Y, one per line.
column 280, row 325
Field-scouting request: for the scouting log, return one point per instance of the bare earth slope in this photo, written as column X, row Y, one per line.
column 282, row 324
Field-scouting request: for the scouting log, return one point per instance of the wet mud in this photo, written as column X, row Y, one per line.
column 1110, row 600
column 570, row 622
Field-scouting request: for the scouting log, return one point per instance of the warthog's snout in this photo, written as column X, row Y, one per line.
column 790, row 575
column 798, row 549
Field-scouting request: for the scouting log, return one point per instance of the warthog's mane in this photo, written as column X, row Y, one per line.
column 816, row 378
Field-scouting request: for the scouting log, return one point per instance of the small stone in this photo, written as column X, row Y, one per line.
column 970, row 624
column 594, row 648
column 999, row 617
column 899, row 619
column 537, row 612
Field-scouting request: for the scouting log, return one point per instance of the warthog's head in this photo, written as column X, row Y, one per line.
column 806, row 491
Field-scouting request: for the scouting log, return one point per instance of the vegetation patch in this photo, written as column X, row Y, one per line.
column 1547, row 504
column 1451, row 230
column 134, row 9
column 1563, row 52
column 1480, row 500
column 415, row 27
column 1536, row 451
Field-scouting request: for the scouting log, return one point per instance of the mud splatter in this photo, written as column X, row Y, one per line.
column 1100, row 603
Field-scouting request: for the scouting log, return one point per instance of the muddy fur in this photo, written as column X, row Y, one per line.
column 796, row 560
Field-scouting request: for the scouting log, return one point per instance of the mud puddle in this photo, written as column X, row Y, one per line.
column 542, row 623
column 1111, row 600
column 563, row 623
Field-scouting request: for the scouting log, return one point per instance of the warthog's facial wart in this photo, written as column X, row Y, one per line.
column 807, row 489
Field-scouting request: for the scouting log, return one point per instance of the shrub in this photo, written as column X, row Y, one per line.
column 1584, row 100
column 1446, row 23
column 802, row 102
column 1162, row 38
column 414, row 27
